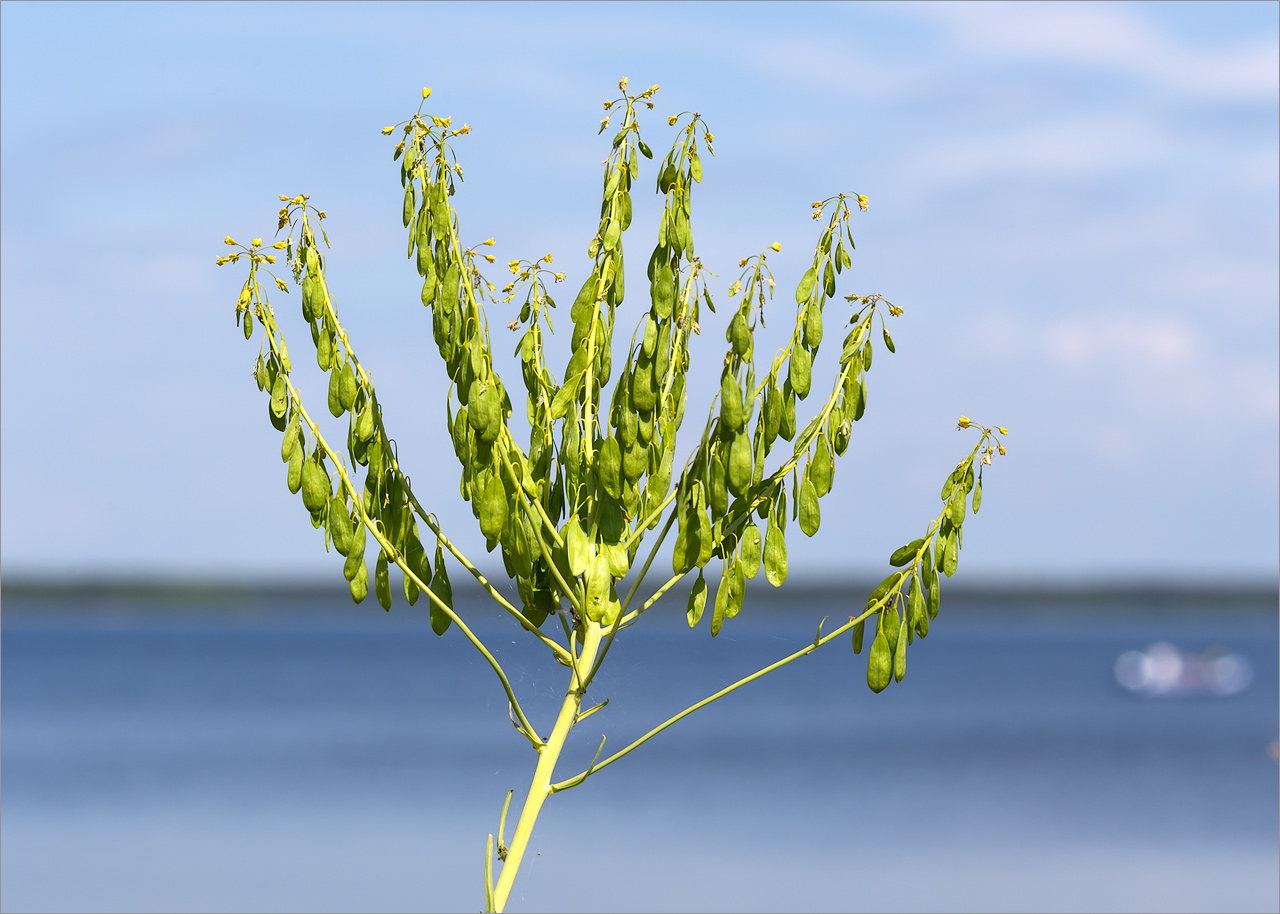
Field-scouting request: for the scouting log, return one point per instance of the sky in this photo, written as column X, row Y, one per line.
column 1075, row 205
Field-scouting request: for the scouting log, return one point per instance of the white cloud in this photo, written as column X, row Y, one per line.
column 1109, row 37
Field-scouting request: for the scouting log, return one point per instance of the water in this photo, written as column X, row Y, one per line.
column 338, row 758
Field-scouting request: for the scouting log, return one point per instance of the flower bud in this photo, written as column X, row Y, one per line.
column 426, row 91
column 228, row 240
column 671, row 121
column 964, row 422
column 490, row 242
column 775, row 247
column 279, row 245
column 386, row 131
column 1003, row 430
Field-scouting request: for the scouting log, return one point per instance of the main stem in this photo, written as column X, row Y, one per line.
column 548, row 755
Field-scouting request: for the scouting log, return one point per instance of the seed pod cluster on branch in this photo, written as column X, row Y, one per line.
column 568, row 513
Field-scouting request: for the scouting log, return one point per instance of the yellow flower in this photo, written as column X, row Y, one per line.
column 299, row 199
column 622, row 84
column 256, row 243
column 671, row 121
column 1002, row 450
column 281, row 286
column 228, row 240
column 964, row 422
column 490, row 258
column 386, row 131
column 284, row 198
column 560, row 277
column 775, row 247
column 279, row 245
column 426, row 91
column 221, row 260
column 817, row 204
column 489, row 241
column 547, row 257
column 608, row 105
column 1003, row 430
column 862, row 202
column 513, row 266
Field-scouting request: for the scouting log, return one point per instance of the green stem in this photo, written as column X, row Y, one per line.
column 807, row 649
column 548, row 755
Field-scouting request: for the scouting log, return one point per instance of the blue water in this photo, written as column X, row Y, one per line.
column 339, row 758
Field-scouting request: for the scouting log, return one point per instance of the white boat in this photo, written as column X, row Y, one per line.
column 1162, row 670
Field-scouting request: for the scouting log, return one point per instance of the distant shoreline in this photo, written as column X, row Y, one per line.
column 32, row 593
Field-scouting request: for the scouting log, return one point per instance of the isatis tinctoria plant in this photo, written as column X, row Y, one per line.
column 570, row 510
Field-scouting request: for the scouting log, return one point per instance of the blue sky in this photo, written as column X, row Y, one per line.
column 1075, row 204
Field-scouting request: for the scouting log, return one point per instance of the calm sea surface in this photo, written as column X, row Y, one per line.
column 333, row 758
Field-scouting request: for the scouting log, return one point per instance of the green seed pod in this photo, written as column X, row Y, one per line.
column 717, row 485
column 750, row 546
column 739, row 335
column 366, row 421
column 859, row 629
column 932, row 598
column 609, row 466
column 904, row 554
column 297, row 460
column 799, row 372
column 492, row 504
column 315, row 485
column 828, row 281
column 292, row 439
column 492, row 399
column 956, row 509
column 730, row 402
column 821, row 466
column 416, row 558
column 900, row 653
column 279, row 397
column 724, row 598
column 772, row 410
column 347, row 387
column 775, row 554
column 952, row 557
column 355, row 554
column 382, row 581
column 312, row 303
column 597, row 581
column 739, row 464
column 879, row 663
column 579, row 553
column 866, row 356
column 634, row 460
column 360, row 583
column 813, row 324
column 697, row 600
column 324, row 349
column 335, row 403
column 787, row 425
column 977, row 495
column 805, row 289
column 649, row 343
column 341, row 525
column 440, row 586
column 889, row 624
column 810, row 515
column 916, row 610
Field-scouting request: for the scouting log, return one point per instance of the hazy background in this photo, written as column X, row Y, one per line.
column 1075, row 204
